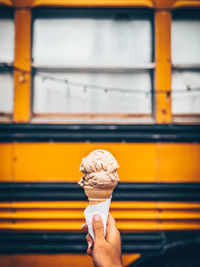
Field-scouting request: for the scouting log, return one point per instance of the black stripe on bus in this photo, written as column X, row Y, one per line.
column 123, row 192
column 98, row 133
column 65, row 242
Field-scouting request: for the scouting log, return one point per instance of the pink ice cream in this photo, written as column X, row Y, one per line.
column 99, row 170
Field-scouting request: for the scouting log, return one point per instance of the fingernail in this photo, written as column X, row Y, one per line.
column 96, row 217
column 82, row 225
column 89, row 245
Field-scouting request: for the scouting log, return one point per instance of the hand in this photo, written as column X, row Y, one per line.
column 105, row 252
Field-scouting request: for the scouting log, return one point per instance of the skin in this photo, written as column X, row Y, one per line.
column 105, row 251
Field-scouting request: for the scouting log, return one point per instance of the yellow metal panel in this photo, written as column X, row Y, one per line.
column 6, row 2
column 179, row 215
column 163, row 66
column 157, row 4
column 178, row 162
column 130, row 216
column 22, row 80
column 6, row 162
column 160, row 4
column 185, row 3
column 115, row 205
column 119, row 215
column 170, row 4
column 138, row 162
column 123, row 225
column 61, row 260
column 176, row 225
column 78, row 215
column 178, row 205
column 61, row 161
column 129, row 258
column 72, row 225
column 84, row 3
column 45, row 205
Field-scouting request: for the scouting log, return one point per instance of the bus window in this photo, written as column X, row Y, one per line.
column 186, row 63
column 6, row 61
column 96, row 61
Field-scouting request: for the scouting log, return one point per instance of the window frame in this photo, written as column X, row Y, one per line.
column 95, row 118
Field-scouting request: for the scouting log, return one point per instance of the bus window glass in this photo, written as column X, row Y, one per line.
column 186, row 64
column 6, row 92
column 92, row 63
column 73, row 98
column 6, row 61
column 187, row 102
column 6, row 40
column 186, row 42
column 91, row 43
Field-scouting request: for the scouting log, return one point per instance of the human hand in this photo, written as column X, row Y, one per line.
column 105, row 251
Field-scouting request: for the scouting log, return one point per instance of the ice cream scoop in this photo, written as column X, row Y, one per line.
column 99, row 175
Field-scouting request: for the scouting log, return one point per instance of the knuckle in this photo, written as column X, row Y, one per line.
column 99, row 246
column 87, row 237
column 89, row 252
column 118, row 234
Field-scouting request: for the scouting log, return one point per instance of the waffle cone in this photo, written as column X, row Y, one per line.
column 97, row 195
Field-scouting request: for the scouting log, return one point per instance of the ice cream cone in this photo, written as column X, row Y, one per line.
column 97, row 195
column 99, row 179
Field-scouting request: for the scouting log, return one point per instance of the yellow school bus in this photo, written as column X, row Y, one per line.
column 86, row 74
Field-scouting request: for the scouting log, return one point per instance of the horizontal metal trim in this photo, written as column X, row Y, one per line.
column 6, row 66
column 94, row 69
column 186, row 14
column 114, row 13
column 123, row 192
column 187, row 67
column 45, row 242
column 98, row 133
column 73, row 242
column 6, row 12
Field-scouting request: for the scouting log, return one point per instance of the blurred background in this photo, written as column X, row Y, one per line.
column 117, row 75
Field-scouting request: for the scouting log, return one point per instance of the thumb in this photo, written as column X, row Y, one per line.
column 111, row 229
column 98, row 228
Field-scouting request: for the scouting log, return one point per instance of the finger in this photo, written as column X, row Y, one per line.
column 111, row 220
column 84, row 227
column 89, row 239
column 98, row 228
column 90, row 249
column 111, row 230
column 90, row 244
